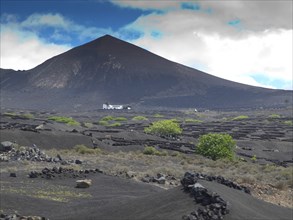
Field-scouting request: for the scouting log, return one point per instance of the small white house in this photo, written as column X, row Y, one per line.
column 108, row 106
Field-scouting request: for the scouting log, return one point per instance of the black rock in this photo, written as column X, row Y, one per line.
column 78, row 162
column 12, row 175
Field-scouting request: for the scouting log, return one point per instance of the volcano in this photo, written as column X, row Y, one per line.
column 111, row 70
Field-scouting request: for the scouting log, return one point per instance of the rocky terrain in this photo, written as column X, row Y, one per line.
column 93, row 166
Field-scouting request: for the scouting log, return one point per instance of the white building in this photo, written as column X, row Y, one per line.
column 108, row 106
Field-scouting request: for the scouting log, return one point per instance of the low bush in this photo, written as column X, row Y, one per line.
column 240, row 117
column 114, row 124
column 27, row 116
column 82, row 149
column 107, row 118
column 153, row 151
column 21, row 116
column 290, row 123
column 120, row 119
column 103, row 123
column 274, row 116
column 253, row 158
column 216, row 146
column 66, row 120
column 176, row 120
column 140, row 118
column 192, row 120
column 164, row 127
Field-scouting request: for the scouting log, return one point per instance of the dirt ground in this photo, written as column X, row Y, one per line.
column 264, row 164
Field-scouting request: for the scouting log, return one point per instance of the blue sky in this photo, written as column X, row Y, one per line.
column 244, row 41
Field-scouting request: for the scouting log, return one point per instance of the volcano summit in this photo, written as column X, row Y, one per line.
column 111, row 70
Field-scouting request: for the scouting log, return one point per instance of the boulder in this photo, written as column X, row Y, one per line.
column 12, row 175
column 86, row 183
column 3, row 158
column 40, row 127
column 6, row 146
column 161, row 180
column 78, row 161
column 130, row 174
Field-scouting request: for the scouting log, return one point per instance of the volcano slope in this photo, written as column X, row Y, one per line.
column 111, row 70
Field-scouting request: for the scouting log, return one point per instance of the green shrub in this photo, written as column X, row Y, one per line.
column 9, row 114
column 27, row 116
column 290, row 123
column 107, row 118
column 103, row 123
column 140, row 118
column 253, row 158
column 274, row 116
column 216, row 146
column 164, row 127
column 120, row 119
column 66, row 120
column 176, row 120
column 114, row 124
column 240, row 117
column 22, row 116
column 82, row 149
column 149, row 150
column 192, row 120
column 153, row 151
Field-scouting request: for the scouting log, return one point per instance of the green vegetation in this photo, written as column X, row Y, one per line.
column 164, row 127
column 240, row 117
column 216, row 146
column 290, row 123
column 153, row 151
column 192, row 120
column 176, row 120
column 120, row 119
column 82, row 149
column 274, row 116
column 158, row 115
column 103, row 123
column 107, row 118
column 253, row 158
column 140, row 118
column 116, row 124
column 46, row 192
column 66, row 120
column 21, row 116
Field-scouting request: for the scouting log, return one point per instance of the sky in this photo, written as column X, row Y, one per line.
column 244, row 41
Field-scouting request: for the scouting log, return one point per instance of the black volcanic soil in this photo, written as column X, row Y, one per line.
column 110, row 197
column 269, row 139
column 115, row 198
column 110, row 70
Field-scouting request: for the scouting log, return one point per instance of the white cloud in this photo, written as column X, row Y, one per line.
column 202, row 40
column 21, row 51
column 52, row 20
column 22, row 46
column 147, row 5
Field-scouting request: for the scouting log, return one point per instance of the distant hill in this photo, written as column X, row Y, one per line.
column 111, row 70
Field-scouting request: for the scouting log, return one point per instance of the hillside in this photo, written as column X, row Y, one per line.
column 111, row 70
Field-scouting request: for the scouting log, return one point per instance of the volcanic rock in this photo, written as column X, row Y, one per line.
column 6, row 146
column 86, row 183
